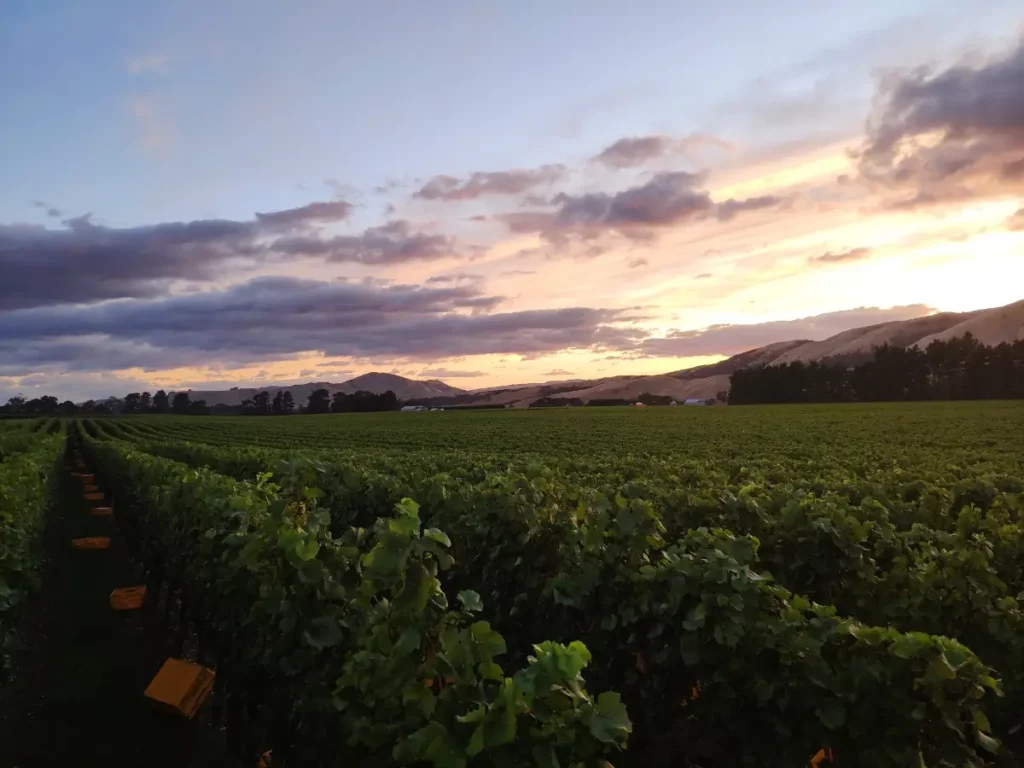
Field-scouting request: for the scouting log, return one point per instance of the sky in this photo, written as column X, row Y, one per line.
column 212, row 194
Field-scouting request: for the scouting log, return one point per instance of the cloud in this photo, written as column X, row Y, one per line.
column 480, row 184
column 949, row 135
column 87, row 262
column 637, row 263
column 336, row 210
column 455, row 278
column 727, row 210
column 558, row 372
column 733, row 339
column 854, row 254
column 154, row 127
column 634, row 151
column 447, row 373
column 51, row 211
column 518, row 272
column 703, row 276
column 154, row 62
column 275, row 318
column 668, row 199
column 1016, row 222
column 391, row 243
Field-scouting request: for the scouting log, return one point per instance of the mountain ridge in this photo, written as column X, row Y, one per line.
column 990, row 326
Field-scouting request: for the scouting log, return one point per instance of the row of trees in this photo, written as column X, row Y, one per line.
column 321, row 401
column 135, row 402
column 282, row 403
column 958, row 369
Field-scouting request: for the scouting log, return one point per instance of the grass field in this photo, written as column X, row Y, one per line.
column 752, row 585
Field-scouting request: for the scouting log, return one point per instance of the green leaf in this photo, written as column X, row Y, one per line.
column 476, row 741
column 832, row 714
column 610, row 723
column 470, row 601
column 323, row 632
column 408, row 642
column 981, row 721
column 987, row 742
column 437, row 535
column 544, row 756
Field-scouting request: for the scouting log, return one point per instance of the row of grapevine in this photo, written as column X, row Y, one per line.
column 667, row 584
column 339, row 646
column 29, row 465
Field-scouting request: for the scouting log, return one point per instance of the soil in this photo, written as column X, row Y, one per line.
column 78, row 673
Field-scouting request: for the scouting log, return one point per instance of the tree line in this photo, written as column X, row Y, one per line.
column 261, row 404
column 961, row 368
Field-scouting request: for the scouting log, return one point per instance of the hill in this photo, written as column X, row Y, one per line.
column 405, row 389
column 991, row 326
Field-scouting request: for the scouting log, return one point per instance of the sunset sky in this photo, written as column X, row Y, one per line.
column 210, row 194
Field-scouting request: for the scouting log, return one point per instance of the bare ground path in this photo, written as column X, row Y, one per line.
column 75, row 696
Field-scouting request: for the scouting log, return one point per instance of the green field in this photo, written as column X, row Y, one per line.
column 751, row 584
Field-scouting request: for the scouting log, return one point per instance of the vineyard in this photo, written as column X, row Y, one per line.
column 647, row 587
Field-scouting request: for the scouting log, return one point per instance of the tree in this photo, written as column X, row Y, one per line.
column 16, row 404
column 132, row 402
column 68, row 408
column 198, row 408
column 145, row 402
column 277, row 407
column 319, row 402
column 287, row 403
column 161, row 403
column 261, row 403
column 181, row 402
column 340, row 403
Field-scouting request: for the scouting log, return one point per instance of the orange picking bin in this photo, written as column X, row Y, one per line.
column 127, row 598
column 181, row 686
column 91, row 542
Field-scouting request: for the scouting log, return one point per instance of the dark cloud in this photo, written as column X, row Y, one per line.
column 51, row 211
column 337, row 210
column 391, row 243
column 637, row 263
column 855, row 254
column 558, row 372
column 448, row 373
column 519, row 272
column 87, row 262
column 634, row 151
column 456, row 278
column 949, row 135
column 733, row 339
column 727, row 211
column 703, row 276
column 276, row 318
column 668, row 199
column 484, row 183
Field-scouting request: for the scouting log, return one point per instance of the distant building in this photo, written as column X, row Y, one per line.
column 673, row 403
column 694, row 401
column 639, row 405
column 411, row 408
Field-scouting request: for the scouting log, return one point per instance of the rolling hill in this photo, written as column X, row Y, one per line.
column 991, row 326
column 405, row 389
